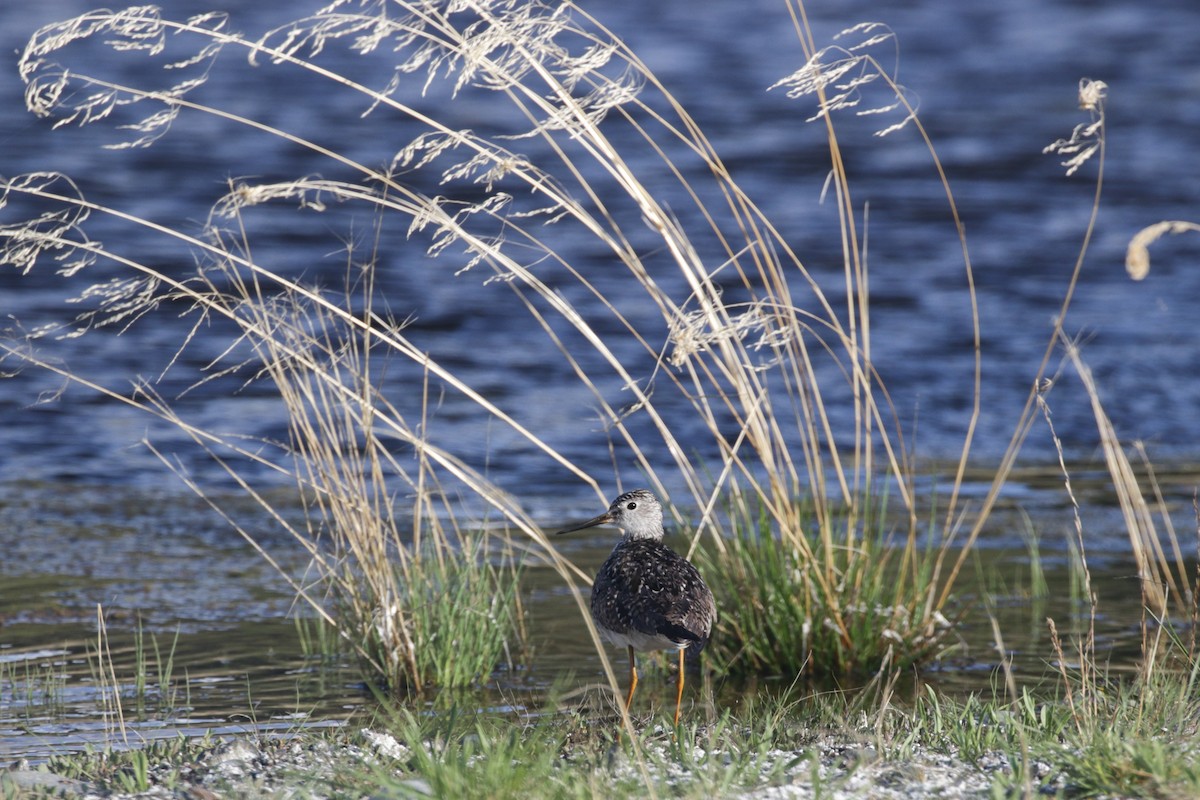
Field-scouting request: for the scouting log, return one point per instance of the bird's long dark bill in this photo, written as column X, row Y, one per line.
column 603, row 519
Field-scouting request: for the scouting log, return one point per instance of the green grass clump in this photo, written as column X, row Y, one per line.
column 460, row 753
column 978, row 726
column 477, row 756
column 1137, row 738
column 1112, row 765
column 461, row 612
column 834, row 602
column 154, row 679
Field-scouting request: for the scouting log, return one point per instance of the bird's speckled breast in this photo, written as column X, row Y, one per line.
column 651, row 598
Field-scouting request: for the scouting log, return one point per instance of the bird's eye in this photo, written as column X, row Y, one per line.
column 631, row 506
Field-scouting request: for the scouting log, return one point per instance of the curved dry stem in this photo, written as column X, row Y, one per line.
column 1095, row 105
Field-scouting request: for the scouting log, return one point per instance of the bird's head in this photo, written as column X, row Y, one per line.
column 637, row 513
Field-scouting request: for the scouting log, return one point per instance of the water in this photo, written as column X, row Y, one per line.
column 995, row 86
column 218, row 649
column 224, row 684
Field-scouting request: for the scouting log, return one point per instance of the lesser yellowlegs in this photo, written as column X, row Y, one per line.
column 646, row 596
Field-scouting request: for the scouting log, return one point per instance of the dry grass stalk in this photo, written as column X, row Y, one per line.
column 106, row 677
column 1137, row 254
column 1154, row 570
column 1087, row 141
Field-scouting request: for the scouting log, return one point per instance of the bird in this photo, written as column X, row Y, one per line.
column 646, row 596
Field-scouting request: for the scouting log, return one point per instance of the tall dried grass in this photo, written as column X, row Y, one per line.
column 752, row 364
column 758, row 365
column 1117, row 724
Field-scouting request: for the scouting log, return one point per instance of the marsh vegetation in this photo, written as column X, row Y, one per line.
column 582, row 196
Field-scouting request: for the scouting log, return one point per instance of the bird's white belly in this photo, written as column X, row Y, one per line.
column 642, row 642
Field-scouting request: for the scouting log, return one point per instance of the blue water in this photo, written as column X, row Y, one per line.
column 995, row 86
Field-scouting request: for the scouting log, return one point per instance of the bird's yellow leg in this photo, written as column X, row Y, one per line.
column 679, row 692
column 632, row 680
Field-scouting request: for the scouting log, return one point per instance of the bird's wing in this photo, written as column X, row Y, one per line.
column 664, row 598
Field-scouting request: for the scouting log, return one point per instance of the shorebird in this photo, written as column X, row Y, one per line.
column 646, row 596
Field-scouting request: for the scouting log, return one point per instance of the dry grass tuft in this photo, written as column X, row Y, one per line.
column 1137, row 255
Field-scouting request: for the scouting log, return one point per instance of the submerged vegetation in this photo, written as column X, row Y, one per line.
column 416, row 553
